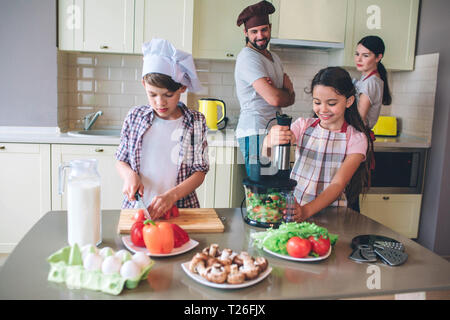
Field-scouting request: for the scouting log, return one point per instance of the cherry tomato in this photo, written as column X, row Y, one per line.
column 139, row 215
column 298, row 247
column 320, row 245
column 136, row 234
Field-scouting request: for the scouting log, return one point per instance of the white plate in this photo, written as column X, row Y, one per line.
column 202, row 280
column 191, row 244
column 287, row 257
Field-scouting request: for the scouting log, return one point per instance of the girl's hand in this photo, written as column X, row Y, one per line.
column 269, row 81
column 279, row 135
column 132, row 183
column 299, row 214
column 161, row 204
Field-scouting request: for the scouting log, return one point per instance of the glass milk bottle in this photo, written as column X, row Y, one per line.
column 83, row 201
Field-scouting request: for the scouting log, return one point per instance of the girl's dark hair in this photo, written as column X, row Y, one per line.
column 162, row 81
column 340, row 80
column 376, row 45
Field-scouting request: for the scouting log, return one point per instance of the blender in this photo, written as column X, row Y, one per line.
column 269, row 194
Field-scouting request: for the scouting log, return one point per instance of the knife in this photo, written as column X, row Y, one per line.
column 141, row 205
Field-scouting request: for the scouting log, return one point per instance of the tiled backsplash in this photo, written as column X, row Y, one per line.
column 112, row 83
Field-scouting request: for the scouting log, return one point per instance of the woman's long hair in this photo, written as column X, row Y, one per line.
column 376, row 45
column 339, row 79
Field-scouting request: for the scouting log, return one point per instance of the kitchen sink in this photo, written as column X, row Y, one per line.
column 95, row 133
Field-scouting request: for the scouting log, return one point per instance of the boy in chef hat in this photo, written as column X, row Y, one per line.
column 163, row 149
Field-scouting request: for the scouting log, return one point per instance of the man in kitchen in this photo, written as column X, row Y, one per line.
column 262, row 87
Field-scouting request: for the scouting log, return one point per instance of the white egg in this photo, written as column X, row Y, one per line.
column 89, row 248
column 93, row 262
column 123, row 255
column 141, row 259
column 106, row 252
column 130, row 270
column 111, row 265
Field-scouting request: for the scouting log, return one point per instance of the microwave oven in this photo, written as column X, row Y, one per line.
column 398, row 170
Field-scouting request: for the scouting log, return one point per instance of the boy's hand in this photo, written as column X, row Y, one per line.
column 161, row 204
column 132, row 184
column 279, row 135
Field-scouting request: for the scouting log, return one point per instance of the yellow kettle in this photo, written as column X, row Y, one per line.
column 208, row 107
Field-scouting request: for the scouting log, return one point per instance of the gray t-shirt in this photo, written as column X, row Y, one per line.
column 373, row 88
column 255, row 111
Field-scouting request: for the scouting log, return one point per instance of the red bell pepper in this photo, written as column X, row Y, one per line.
column 180, row 236
column 136, row 234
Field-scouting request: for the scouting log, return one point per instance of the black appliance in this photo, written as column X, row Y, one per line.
column 398, row 170
column 269, row 189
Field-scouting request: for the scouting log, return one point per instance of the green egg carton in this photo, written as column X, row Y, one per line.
column 66, row 266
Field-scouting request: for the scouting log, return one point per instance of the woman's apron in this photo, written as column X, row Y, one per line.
column 320, row 155
column 372, row 134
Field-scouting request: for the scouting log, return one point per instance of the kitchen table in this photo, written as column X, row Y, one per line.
column 24, row 274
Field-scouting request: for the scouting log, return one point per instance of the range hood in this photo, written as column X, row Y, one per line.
column 306, row 44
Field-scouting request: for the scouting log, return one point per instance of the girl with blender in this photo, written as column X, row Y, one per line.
column 331, row 149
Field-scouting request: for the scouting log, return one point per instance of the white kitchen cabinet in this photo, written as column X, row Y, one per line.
column 400, row 212
column 111, row 183
column 24, row 190
column 171, row 20
column 318, row 20
column 216, row 35
column 96, row 25
column 394, row 21
column 222, row 187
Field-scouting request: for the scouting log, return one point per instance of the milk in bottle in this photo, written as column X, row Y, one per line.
column 83, row 202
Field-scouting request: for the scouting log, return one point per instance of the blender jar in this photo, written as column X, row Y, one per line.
column 268, row 207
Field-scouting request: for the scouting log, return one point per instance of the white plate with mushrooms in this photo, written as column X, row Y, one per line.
column 226, row 269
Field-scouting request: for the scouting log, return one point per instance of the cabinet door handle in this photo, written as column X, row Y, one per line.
column 2, row 147
column 104, row 47
column 98, row 149
column 386, row 198
column 230, row 55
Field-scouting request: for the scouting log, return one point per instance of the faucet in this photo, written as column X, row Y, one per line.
column 88, row 122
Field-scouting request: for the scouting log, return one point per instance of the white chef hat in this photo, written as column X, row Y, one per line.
column 160, row 56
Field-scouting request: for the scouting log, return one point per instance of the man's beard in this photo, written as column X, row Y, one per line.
column 254, row 44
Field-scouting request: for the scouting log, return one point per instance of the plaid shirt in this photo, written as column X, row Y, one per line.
column 193, row 154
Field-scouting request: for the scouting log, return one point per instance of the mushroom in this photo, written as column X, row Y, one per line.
column 235, row 276
column 249, row 269
column 212, row 250
column 225, row 257
column 261, row 263
column 216, row 273
column 239, row 259
column 197, row 264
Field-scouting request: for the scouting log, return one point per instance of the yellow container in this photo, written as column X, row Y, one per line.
column 386, row 126
column 209, row 109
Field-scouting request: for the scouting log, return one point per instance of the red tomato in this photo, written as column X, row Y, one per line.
column 320, row 245
column 139, row 215
column 136, row 234
column 298, row 247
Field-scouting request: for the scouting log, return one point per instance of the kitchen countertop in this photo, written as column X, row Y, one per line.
column 24, row 274
column 221, row 138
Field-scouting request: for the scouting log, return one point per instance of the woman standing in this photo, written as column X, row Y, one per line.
column 372, row 88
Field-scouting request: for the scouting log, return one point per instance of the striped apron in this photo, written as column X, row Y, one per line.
column 318, row 157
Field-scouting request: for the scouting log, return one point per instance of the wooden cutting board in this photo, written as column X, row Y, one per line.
column 195, row 220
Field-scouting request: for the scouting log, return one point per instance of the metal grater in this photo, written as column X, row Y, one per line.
column 390, row 256
column 363, row 253
column 391, row 245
